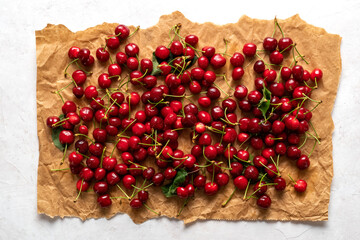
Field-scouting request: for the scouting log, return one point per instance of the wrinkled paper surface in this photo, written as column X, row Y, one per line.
column 57, row 190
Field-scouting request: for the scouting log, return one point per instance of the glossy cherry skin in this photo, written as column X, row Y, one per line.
column 285, row 44
column 104, row 200
column 102, row 54
column 241, row 182
column 270, row 44
column 122, row 31
column 211, row 188
column 132, row 50
column 300, row 185
column 264, row 201
column 249, row 49
column 218, row 61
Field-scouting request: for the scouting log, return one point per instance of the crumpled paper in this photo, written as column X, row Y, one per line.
column 56, row 190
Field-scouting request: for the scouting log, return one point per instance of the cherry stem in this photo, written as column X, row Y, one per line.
column 241, row 159
column 312, row 126
column 77, row 151
column 274, row 28
column 65, row 71
column 183, row 206
column 63, row 158
column 58, row 123
column 312, row 150
column 291, row 179
column 136, row 29
column 82, row 181
column 87, row 73
column 151, row 209
column 127, row 196
column 314, row 137
column 247, row 188
column 306, row 137
column 83, row 135
column 60, row 169
column 220, row 89
column 102, row 157
column 276, row 22
column 158, row 156
column 302, row 57
column 226, row 202
column 277, row 173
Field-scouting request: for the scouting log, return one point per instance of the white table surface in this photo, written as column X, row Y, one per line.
column 18, row 137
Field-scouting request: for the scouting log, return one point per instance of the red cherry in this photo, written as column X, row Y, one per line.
column 132, row 50
column 104, row 200
column 218, row 61
column 211, row 188
column 122, row 31
column 285, row 44
column 241, row 182
column 102, row 54
column 264, row 201
column 300, row 185
column 249, row 49
column 270, row 44
column 316, row 74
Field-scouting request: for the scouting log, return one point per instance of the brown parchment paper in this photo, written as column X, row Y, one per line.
column 56, row 190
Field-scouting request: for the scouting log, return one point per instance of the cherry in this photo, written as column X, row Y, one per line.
column 213, row 93
column 99, row 135
column 260, row 189
column 104, row 200
column 210, row 77
column 254, row 97
column 162, row 52
column 191, row 40
column 204, row 101
column 122, row 31
column 251, row 172
column 240, row 92
column 143, row 196
column 303, row 162
column 91, row 92
column 270, row 44
column 86, row 173
column 102, row 54
column 306, row 76
column 280, row 148
column 73, row 52
column 259, row 66
column 112, row 178
column 97, row 104
column 291, row 84
column 276, row 57
column 197, row 73
column 182, row 192
column 99, row 174
column 211, row 188
column 78, row 91
column 229, row 104
column 208, row 51
column 293, row 152
column 84, row 54
column 264, row 201
column 132, row 63
column 218, row 61
column 203, row 62
column 101, row 187
column 88, row 62
column 222, row 179
column 128, row 181
column 237, row 73
column 285, row 73
column 66, row 137
column 277, row 89
column 109, row 163
column 237, row 59
column 249, row 49
column 292, row 123
column 136, row 203
column 50, row 121
column 172, row 81
column 112, row 42
column 285, row 44
column 189, row 53
column 96, row 149
column 269, row 75
column 158, row 179
column 146, row 65
column 297, row 72
column 176, row 48
column 316, row 75
column 254, row 125
column 300, row 185
column 195, row 87
column 132, row 50
column 241, row 182
column 281, row 183
column 260, row 161
column 148, row 173
column 236, row 169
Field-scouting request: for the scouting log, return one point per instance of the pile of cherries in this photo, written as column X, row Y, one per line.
column 144, row 126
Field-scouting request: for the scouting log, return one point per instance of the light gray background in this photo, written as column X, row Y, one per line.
column 19, row 144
